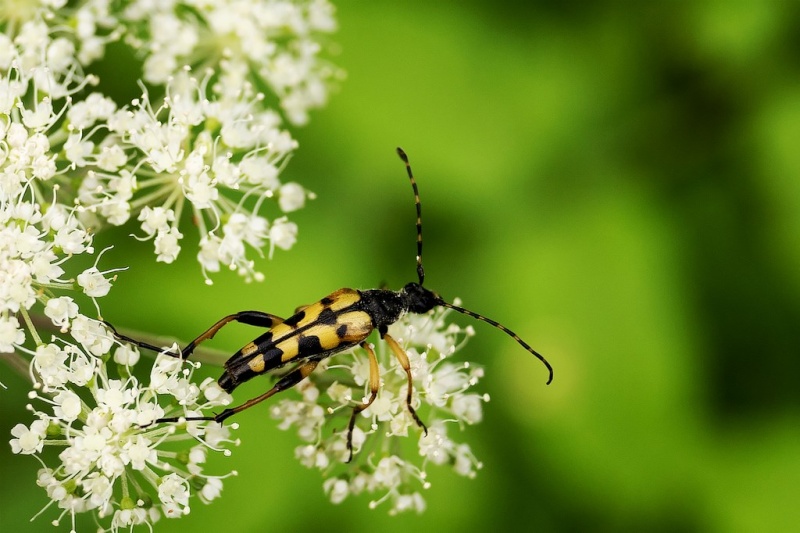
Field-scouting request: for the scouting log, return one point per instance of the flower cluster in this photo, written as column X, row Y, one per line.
column 270, row 42
column 210, row 149
column 442, row 396
column 40, row 235
column 114, row 461
column 207, row 150
column 219, row 158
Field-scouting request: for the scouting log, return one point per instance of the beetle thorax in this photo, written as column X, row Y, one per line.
column 385, row 307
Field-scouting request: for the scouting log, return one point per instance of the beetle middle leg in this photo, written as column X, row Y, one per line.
column 402, row 357
column 374, row 385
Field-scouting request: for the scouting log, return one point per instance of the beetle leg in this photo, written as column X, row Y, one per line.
column 252, row 318
column 141, row 344
column 374, row 385
column 403, row 358
column 286, row 382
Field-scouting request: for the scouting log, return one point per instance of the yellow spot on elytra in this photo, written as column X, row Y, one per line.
column 359, row 326
column 344, row 298
column 257, row 364
column 328, row 338
column 249, row 349
column 289, row 347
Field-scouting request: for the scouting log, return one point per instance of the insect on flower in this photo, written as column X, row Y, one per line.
column 340, row 321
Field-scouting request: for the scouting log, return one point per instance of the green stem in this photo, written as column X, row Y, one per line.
column 17, row 362
column 26, row 317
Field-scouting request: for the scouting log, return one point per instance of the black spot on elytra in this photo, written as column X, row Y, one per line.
column 326, row 317
column 341, row 331
column 262, row 340
column 292, row 321
column 308, row 345
column 326, row 301
column 273, row 358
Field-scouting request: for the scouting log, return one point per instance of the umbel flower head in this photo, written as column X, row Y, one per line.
column 384, row 464
column 113, row 461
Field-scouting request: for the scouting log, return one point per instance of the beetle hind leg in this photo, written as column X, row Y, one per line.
column 286, row 382
column 141, row 344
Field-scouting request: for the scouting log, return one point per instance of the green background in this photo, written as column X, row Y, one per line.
column 619, row 184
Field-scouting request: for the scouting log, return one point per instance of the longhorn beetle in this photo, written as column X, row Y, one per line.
column 336, row 323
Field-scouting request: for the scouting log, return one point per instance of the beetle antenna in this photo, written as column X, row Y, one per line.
column 501, row 327
column 420, row 270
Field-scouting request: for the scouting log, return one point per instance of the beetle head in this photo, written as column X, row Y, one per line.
column 418, row 299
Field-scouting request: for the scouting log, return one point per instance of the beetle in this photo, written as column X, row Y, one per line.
column 340, row 321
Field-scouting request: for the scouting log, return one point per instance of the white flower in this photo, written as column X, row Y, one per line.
column 337, row 489
column 50, row 361
column 10, row 333
column 67, row 406
column 211, row 147
column 77, row 150
column 99, row 487
column 126, row 355
column 468, row 407
column 387, row 474
column 61, row 310
column 208, row 154
column 81, row 367
column 92, row 334
column 384, row 407
column 173, row 491
column 465, row 462
column 291, row 197
column 94, row 283
column 276, row 40
column 211, row 490
column 93, row 108
column 166, row 245
column 435, row 446
column 139, row 451
column 282, row 234
column 29, row 440
column 409, row 502
column 156, row 219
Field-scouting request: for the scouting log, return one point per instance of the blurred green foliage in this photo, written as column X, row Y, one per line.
column 617, row 182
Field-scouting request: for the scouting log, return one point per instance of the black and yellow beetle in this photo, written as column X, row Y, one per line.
column 338, row 322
